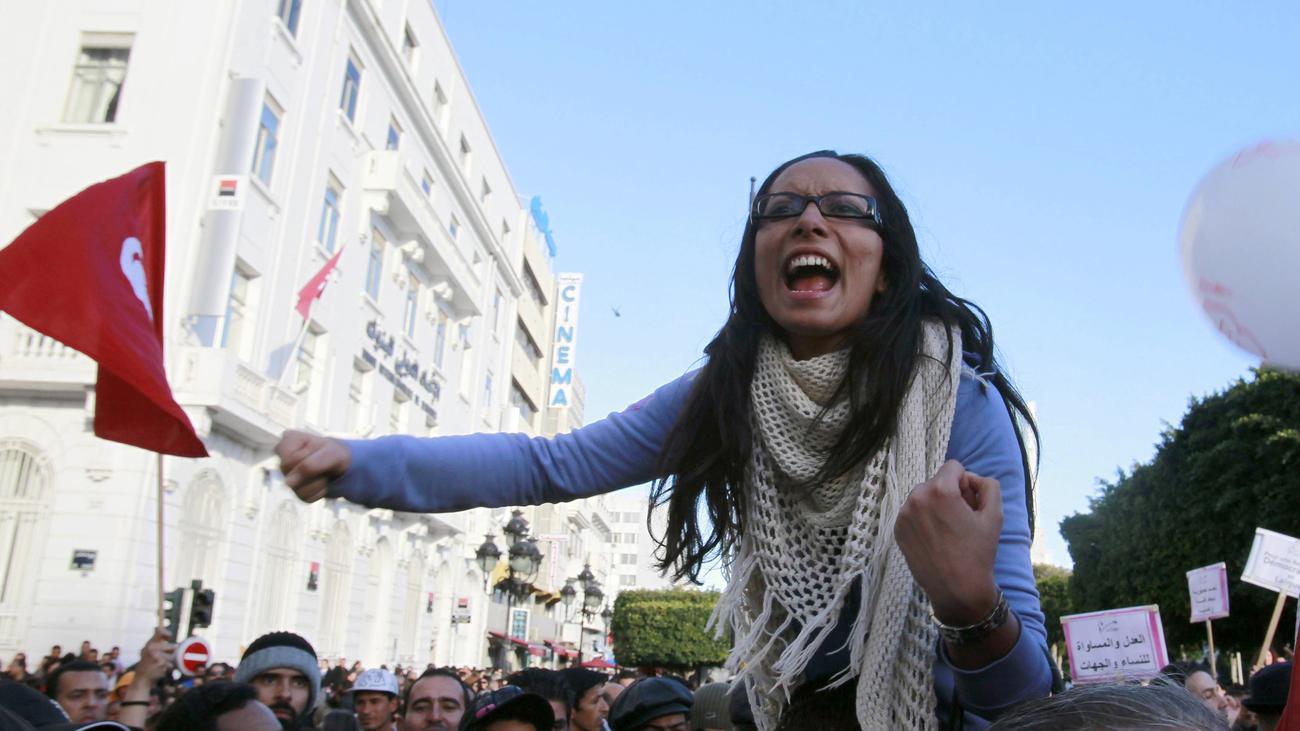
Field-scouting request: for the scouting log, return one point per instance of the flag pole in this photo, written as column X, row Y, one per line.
column 293, row 354
column 1272, row 628
column 1209, row 632
column 308, row 297
column 161, row 591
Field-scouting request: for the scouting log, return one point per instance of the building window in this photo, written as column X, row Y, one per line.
column 534, row 289
column 439, row 104
column 520, row 401
column 412, row 306
column 25, row 497
column 527, row 344
column 466, row 362
column 440, row 339
column 410, row 46
column 268, row 139
column 453, row 228
column 627, row 559
column 426, row 183
column 327, row 232
column 397, row 414
column 487, row 390
column 465, row 152
column 394, row 135
column 358, row 396
column 288, row 14
column 97, row 79
column 307, row 357
column 375, row 267
column 239, row 315
column 351, row 88
column 498, row 302
column 627, row 581
column 519, row 623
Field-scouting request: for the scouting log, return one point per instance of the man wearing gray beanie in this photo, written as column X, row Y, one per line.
column 282, row 666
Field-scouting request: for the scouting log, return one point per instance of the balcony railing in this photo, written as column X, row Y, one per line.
column 33, row 361
column 243, row 400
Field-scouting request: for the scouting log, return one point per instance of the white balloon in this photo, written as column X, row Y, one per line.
column 1240, row 245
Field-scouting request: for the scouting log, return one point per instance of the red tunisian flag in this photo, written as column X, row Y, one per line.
column 90, row 274
column 315, row 287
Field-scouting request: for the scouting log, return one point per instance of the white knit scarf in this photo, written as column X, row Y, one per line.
column 803, row 547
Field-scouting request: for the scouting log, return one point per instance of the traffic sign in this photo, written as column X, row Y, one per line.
column 193, row 655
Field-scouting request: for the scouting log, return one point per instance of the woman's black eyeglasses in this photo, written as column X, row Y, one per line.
column 836, row 204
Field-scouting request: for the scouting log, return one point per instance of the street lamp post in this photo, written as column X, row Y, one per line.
column 523, row 559
column 608, row 617
column 487, row 556
column 592, row 598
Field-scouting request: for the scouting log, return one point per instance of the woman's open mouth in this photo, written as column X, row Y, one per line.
column 810, row 273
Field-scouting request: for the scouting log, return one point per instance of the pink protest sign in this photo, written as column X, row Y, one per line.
column 1208, row 588
column 1115, row 644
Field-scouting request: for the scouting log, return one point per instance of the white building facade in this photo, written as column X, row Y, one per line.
column 292, row 130
column 635, row 565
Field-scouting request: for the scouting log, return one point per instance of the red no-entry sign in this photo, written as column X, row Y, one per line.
column 192, row 655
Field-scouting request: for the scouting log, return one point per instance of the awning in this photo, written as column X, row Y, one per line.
column 537, row 650
column 560, row 650
column 549, row 597
column 501, row 573
column 501, row 637
column 599, row 663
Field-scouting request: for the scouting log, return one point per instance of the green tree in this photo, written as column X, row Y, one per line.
column 666, row 628
column 1054, row 593
column 1229, row 467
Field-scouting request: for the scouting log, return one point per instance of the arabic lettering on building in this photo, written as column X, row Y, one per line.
column 404, row 367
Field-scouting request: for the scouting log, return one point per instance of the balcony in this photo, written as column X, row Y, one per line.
column 530, row 376
column 244, row 402
column 431, row 527
column 395, row 194
column 31, row 361
column 536, row 320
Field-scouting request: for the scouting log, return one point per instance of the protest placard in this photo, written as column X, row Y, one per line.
column 1274, row 563
column 1115, row 644
column 1208, row 587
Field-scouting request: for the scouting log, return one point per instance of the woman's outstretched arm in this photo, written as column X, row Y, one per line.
column 446, row 474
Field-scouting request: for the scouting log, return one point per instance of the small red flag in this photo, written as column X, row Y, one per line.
column 315, row 287
column 90, row 274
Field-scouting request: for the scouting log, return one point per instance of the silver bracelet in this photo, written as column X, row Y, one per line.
column 974, row 633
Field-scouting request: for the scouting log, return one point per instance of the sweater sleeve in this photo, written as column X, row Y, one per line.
column 984, row 441
column 447, row 474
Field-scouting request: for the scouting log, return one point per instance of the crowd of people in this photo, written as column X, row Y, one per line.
column 280, row 684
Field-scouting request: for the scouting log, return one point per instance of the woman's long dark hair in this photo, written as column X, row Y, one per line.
column 705, row 456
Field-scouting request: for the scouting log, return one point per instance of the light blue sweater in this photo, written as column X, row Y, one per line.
column 446, row 474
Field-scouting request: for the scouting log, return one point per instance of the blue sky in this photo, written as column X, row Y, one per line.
column 1045, row 150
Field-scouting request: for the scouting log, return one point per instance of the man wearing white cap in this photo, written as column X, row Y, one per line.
column 374, row 700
